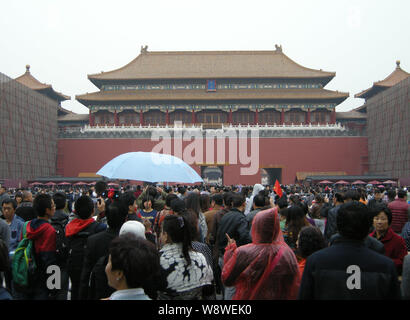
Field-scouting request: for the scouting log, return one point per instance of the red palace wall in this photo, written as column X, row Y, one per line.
column 313, row 154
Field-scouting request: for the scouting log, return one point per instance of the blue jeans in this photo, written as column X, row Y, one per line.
column 227, row 291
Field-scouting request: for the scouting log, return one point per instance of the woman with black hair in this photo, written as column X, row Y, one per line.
column 178, row 208
column 205, row 202
column 193, row 203
column 164, row 212
column 394, row 245
column 184, row 270
column 315, row 213
column 295, row 221
column 147, row 210
column 19, row 198
column 309, row 241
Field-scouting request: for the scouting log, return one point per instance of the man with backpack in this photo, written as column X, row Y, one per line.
column 59, row 222
column 39, row 244
column 77, row 232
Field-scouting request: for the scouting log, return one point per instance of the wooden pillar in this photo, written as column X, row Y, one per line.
column 193, row 117
column 308, row 117
column 282, row 116
column 141, row 118
column 167, row 118
column 256, row 116
column 116, row 123
column 333, row 117
column 90, row 119
column 230, row 116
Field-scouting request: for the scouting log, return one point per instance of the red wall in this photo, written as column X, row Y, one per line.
column 291, row 154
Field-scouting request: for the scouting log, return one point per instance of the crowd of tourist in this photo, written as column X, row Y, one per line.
column 205, row 243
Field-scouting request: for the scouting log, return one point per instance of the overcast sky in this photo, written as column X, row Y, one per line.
column 64, row 41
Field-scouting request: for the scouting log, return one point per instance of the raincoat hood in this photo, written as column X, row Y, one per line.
column 268, row 262
column 266, row 227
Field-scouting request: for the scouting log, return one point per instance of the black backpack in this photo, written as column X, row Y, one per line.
column 61, row 241
column 98, row 287
column 77, row 244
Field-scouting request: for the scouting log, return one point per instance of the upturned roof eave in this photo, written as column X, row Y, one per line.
column 145, row 54
column 370, row 91
column 98, row 81
column 53, row 94
column 338, row 99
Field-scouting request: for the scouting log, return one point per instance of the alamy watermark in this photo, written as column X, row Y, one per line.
column 201, row 149
column 54, row 280
column 354, row 281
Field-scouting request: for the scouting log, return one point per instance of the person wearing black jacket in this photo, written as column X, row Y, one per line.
column 348, row 270
column 25, row 209
column 96, row 249
column 234, row 224
column 331, row 227
column 259, row 204
column 59, row 221
column 377, row 199
column 129, row 199
column 77, row 231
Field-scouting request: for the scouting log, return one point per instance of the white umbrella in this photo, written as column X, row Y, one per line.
column 149, row 167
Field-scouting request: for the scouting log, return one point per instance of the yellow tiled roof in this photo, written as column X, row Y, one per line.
column 211, row 65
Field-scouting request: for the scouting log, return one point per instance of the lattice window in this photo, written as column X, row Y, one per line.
column 154, row 117
column 212, row 117
column 243, row 117
column 320, row 117
column 269, row 117
column 104, row 118
column 180, row 115
column 295, row 117
column 128, row 118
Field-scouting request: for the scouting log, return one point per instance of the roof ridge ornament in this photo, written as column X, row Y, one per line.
column 398, row 64
column 27, row 68
column 144, row 49
column 278, row 48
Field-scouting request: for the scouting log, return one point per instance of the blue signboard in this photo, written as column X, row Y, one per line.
column 211, row 85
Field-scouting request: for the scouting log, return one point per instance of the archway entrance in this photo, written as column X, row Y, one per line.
column 270, row 175
column 212, row 174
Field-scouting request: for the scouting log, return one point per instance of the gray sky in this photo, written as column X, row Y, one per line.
column 64, row 41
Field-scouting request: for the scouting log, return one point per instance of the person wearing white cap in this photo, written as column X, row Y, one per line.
column 134, row 227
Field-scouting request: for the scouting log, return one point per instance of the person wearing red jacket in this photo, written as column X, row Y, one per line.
column 264, row 269
column 400, row 209
column 394, row 245
column 44, row 237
